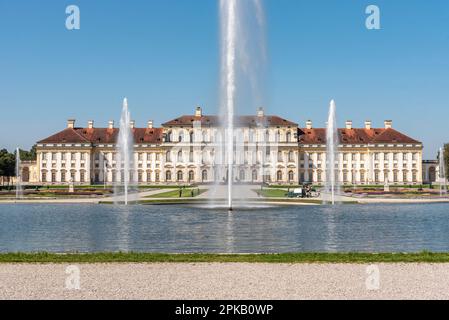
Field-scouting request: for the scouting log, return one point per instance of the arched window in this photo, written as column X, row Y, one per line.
column 191, row 176
column 289, row 136
column 180, row 176
column 168, row 137
column 168, row 156
column 191, row 156
column 204, row 175
column 204, row 136
column 251, row 135
column 291, row 176
column 181, row 136
column 242, row 175
column 168, row 176
column 254, row 175
column 279, row 175
column 267, row 136
column 180, row 156
column 191, row 135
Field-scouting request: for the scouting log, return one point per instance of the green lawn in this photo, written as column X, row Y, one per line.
column 422, row 257
column 272, row 193
column 186, row 193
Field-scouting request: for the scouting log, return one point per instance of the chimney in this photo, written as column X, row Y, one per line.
column 260, row 112
column 198, row 112
column 111, row 124
column 90, row 124
column 349, row 124
column 388, row 124
column 132, row 124
column 150, row 124
column 71, row 123
column 309, row 124
column 368, row 124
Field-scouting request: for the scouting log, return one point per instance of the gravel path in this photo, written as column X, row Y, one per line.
column 225, row 281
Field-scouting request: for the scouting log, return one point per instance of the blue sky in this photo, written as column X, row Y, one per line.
column 164, row 56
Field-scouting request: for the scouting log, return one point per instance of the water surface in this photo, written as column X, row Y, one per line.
column 175, row 229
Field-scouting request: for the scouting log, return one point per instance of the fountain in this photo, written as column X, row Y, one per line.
column 442, row 175
column 229, row 25
column 243, row 56
column 19, row 191
column 332, row 185
column 125, row 151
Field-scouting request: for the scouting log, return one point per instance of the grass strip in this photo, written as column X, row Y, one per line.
column 359, row 258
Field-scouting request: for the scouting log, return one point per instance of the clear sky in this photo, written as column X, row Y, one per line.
column 164, row 56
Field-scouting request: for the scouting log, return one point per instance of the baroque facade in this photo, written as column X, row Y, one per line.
column 267, row 149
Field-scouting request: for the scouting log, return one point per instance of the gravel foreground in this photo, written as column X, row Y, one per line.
column 227, row 281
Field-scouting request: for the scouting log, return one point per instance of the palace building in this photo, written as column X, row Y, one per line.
column 267, row 149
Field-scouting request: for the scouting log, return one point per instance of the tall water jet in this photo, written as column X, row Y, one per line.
column 19, row 190
column 242, row 59
column 442, row 173
column 229, row 25
column 332, row 185
column 125, row 146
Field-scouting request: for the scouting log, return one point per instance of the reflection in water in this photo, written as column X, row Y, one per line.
column 93, row 228
column 123, row 227
column 229, row 235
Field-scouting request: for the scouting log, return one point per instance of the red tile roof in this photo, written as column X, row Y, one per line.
column 104, row 136
column 241, row 121
column 356, row 136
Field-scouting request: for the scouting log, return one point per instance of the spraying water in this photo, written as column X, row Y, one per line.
column 442, row 175
column 332, row 186
column 19, row 191
column 243, row 54
column 229, row 21
column 124, row 151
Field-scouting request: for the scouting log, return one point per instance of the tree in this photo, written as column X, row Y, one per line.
column 7, row 164
column 446, row 158
column 28, row 155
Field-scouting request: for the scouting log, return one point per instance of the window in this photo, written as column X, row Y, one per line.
column 97, row 156
column 168, row 156
column 44, row 176
column 53, row 156
column 362, row 176
column 319, row 156
column 395, row 156
column 63, row 156
column 405, row 176
column 180, row 156
column 82, row 176
column 158, row 157
column 204, row 175
column 254, row 175
column 279, row 176
column 376, row 156
column 180, row 176
column 319, row 176
column 289, row 136
column 168, row 176
column 345, row 177
column 405, row 157
column 376, row 176
column 140, row 156
column 157, row 177
column 242, row 175
column 414, row 177
column 191, row 156
column 354, row 157
column 191, row 135
column 415, row 156
column 291, row 176
column 395, row 176
column 291, row 156
column 280, row 156
column 345, row 157
column 191, row 176
column 53, row 177
column 168, row 137
column 140, row 176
